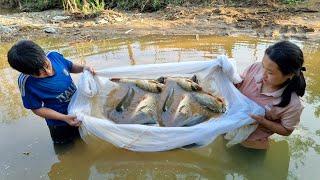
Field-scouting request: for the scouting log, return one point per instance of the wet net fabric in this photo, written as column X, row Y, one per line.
column 215, row 76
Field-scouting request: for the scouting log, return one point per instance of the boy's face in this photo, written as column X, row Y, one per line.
column 47, row 70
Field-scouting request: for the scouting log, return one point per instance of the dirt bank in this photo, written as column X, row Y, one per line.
column 301, row 22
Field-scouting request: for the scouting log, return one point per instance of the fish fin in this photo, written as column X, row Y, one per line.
column 124, row 101
column 168, row 101
column 195, row 79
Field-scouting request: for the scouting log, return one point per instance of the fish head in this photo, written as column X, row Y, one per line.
column 161, row 80
column 188, row 84
column 220, row 105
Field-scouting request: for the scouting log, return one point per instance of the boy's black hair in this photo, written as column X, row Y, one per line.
column 27, row 57
column 289, row 58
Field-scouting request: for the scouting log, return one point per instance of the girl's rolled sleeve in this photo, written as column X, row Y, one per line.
column 291, row 118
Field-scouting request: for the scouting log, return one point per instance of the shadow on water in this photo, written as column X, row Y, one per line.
column 293, row 157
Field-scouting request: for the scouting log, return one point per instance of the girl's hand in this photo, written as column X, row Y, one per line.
column 90, row 69
column 72, row 120
column 259, row 119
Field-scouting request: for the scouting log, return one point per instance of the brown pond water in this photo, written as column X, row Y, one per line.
column 26, row 151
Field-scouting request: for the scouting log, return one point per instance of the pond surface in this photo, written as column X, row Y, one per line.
column 26, row 151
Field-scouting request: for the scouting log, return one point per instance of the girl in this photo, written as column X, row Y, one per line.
column 276, row 84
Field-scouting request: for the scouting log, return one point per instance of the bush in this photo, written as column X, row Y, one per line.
column 30, row 5
column 93, row 7
column 151, row 5
column 84, row 8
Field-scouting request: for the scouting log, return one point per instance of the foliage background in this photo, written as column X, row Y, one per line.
column 140, row 5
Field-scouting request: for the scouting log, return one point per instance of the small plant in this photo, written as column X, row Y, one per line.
column 84, row 8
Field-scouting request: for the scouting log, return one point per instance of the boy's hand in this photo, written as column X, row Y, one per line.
column 90, row 69
column 72, row 120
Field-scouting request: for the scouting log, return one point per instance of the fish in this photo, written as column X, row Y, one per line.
column 150, row 85
column 116, row 109
column 180, row 103
column 193, row 120
column 183, row 112
column 185, row 115
column 179, row 107
column 211, row 102
column 188, row 84
column 161, row 79
column 147, row 85
column 146, row 111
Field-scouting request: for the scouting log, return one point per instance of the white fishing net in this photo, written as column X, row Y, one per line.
column 215, row 76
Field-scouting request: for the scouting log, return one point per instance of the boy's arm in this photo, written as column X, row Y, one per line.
column 79, row 68
column 52, row 114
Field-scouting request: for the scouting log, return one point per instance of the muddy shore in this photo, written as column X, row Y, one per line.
column 299, row 22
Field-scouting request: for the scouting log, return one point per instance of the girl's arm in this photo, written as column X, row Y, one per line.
column 79, row 68
column 273, row 126
column 52, row 114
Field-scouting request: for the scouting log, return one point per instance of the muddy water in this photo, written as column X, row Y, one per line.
column 26, row 151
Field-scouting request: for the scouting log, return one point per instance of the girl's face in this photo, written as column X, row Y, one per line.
column 272, row 76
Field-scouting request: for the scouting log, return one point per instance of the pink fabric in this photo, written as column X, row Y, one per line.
column 288, row 116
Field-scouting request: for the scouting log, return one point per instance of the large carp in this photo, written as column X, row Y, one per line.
column 133, row 102
column 168, row 101
column 184, row 105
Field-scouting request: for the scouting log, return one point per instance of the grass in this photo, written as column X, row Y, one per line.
column 84, row 8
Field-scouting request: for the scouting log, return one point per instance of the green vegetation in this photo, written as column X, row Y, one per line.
column 152, row 5
column 94, row 7
column 30, row 5
column 85, row 8
column 291, row 1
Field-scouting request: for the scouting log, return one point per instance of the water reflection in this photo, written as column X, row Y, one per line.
column 11, row 104
column 312, row 54
column 101, row 160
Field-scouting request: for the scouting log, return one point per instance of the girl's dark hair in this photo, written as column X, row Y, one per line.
column 289, row 58
column 27, row 57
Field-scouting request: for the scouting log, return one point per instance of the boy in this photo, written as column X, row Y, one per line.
column 46, row 87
